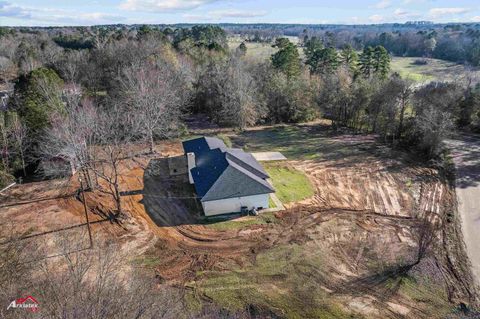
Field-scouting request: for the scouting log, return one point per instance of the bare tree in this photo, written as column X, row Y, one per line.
column 4, row 140
column 406, row 92
column 93, row 141
column 71, row 137
column 238, row 96
column 433, row 126
column 70, row 66
column 114, row 133
column 154, row 99
column 7, row 68
column 15, row 271
column 20, row 139
column 95, row 283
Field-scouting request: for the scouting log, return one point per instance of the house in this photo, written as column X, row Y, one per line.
column 225, row 179
column 5, row 94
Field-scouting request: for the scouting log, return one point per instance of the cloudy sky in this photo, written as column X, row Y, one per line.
column 89, row 12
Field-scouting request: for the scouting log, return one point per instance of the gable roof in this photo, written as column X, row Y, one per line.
column 222, row 173
column 247, row 161
column 209, row 167
column 236, row 181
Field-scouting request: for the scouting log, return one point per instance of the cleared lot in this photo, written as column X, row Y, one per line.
column 337, row 254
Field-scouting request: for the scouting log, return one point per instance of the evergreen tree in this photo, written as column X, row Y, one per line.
column 312, row 46
column 39, row 94
column 349, row 57
column 242, row 49
column 366, row 61
column 375, row 61
column 281, row 43
column 381, row 61
column 320, row 60
column 324, row 61
column 287, row 59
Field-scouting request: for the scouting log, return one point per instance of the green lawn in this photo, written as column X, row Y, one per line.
column 290, row 184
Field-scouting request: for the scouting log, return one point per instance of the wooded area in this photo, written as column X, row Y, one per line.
column 74, row 89
column 83, row 101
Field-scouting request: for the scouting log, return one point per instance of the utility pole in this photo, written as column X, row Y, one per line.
column 86, row 213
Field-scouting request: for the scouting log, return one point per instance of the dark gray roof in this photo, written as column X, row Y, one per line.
column 203, row 145
column 247, row 161
column 236, row 181
column 222, row 173
column 214, row 143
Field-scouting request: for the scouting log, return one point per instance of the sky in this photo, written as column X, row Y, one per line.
column 93, row 12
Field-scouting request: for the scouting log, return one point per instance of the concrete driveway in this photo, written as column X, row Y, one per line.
column 466, row 155
column 269, row 156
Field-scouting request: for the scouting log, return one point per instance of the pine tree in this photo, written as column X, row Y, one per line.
column 349, row 57
column 242, row 49
column 287, row 59
column 381, row 61
column 366, row 61
column 324, row 61
column 320, row 60
column 312, row 46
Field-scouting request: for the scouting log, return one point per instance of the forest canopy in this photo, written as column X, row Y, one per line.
column 151, row 77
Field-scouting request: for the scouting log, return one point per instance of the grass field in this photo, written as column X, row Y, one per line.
column 290, row 184
column 434, row 70
column 276, row 280
column 258, row 51
column 302, row 142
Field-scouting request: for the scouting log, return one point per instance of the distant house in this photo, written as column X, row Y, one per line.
column 57, row 166
column 225, row 179
column 5, row 93
column 72, row 89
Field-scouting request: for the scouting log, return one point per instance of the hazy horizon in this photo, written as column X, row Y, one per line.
column 91, row 12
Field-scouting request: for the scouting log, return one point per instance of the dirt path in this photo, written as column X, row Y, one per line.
column 466, row 156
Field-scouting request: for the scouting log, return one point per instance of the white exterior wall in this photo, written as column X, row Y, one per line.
column 234, row 205
column 191, row 164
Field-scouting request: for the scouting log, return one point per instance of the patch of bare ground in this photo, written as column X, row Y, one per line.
column 356, row 241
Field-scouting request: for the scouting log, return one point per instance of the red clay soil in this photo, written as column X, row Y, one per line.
column 374, row 202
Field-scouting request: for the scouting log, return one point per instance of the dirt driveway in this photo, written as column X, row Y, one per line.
column 466, row 156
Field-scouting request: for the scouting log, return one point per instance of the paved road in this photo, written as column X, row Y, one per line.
column 466, row 154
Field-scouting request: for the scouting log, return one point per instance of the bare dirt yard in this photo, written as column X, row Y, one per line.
column 374, row 241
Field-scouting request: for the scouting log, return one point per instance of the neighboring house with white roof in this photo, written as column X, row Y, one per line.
column 226, row 179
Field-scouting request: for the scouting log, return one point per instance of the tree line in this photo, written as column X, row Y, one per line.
column 137, row 85
column 86, row 108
